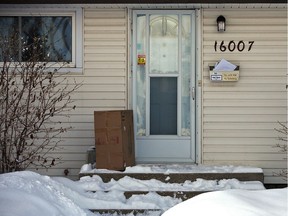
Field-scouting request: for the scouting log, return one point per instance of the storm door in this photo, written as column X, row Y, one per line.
column 164, row 85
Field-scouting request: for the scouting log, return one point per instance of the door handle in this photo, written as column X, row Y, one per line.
column 193, row 93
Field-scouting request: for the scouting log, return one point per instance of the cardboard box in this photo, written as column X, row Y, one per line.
column 114, row 139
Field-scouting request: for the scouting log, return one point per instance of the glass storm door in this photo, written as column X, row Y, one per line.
column 163, row 86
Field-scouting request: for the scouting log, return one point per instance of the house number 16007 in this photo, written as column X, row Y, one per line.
column 232, row 46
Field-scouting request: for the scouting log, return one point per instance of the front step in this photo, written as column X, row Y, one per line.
column 177, row 173
column 168, row 177
column 183, row 195
column 129, row 212
column 178, row 177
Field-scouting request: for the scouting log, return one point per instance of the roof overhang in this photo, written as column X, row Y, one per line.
column 143, row 2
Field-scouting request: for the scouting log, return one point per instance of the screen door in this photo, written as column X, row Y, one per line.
column 164, row 85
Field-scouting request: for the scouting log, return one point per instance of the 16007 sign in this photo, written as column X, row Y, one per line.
column 232, row 46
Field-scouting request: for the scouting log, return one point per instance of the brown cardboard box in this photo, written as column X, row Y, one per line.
column 114, row 139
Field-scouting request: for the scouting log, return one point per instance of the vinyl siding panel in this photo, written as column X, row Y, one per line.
column 104, row 85
column 239, row 117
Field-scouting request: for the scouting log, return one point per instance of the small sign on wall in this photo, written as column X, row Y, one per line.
column 224, row 76
column 224, row 71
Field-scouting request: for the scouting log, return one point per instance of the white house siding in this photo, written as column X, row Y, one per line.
column 239, row 117
column 104, row 86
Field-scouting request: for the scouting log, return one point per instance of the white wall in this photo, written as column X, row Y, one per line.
column 239, row 117
column 104, row 80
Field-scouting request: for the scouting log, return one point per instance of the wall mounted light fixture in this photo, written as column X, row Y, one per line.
column 221, row 23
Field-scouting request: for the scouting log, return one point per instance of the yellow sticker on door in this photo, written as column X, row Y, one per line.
column 141, row 59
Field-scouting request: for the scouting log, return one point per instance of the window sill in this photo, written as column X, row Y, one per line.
column 77, row 70
column 72, row 70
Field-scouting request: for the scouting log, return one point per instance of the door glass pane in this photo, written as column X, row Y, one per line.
column 163, row 106
column 186, row 71
column 141, row 77
column 163, row 44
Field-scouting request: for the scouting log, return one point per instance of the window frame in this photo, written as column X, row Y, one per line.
column 76, row 14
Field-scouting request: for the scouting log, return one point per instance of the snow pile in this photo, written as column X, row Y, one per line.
column 27, row 193
column 234, row 203
column 127, row 183
column 175, row 168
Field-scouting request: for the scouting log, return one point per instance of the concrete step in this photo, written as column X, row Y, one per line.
column 114, row 212
column 178, row 177
column 166, row 177
column 184, row 195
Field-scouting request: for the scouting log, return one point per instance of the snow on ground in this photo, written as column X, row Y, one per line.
column 130, row 184
column 234, row 203
column 28, row 193
column 175, row 168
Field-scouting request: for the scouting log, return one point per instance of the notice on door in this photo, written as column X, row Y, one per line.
column 141, row 59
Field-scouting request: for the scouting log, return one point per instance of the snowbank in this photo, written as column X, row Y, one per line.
column 176, row 168
column 234, row 203
column 127, row 183
column 28, row 193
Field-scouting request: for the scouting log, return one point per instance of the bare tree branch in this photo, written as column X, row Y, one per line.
column 32, row 93
column 282, row 146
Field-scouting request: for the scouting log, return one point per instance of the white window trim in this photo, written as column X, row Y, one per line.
column 76, row 65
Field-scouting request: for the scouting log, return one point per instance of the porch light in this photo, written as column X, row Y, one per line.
column 221, row 23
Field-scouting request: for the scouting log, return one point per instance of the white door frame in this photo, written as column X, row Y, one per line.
column 195, row 154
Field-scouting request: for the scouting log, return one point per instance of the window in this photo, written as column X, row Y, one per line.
column 52, row 34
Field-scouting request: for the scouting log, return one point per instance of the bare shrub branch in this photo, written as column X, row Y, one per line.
column 282, row 146
column 32, row 94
